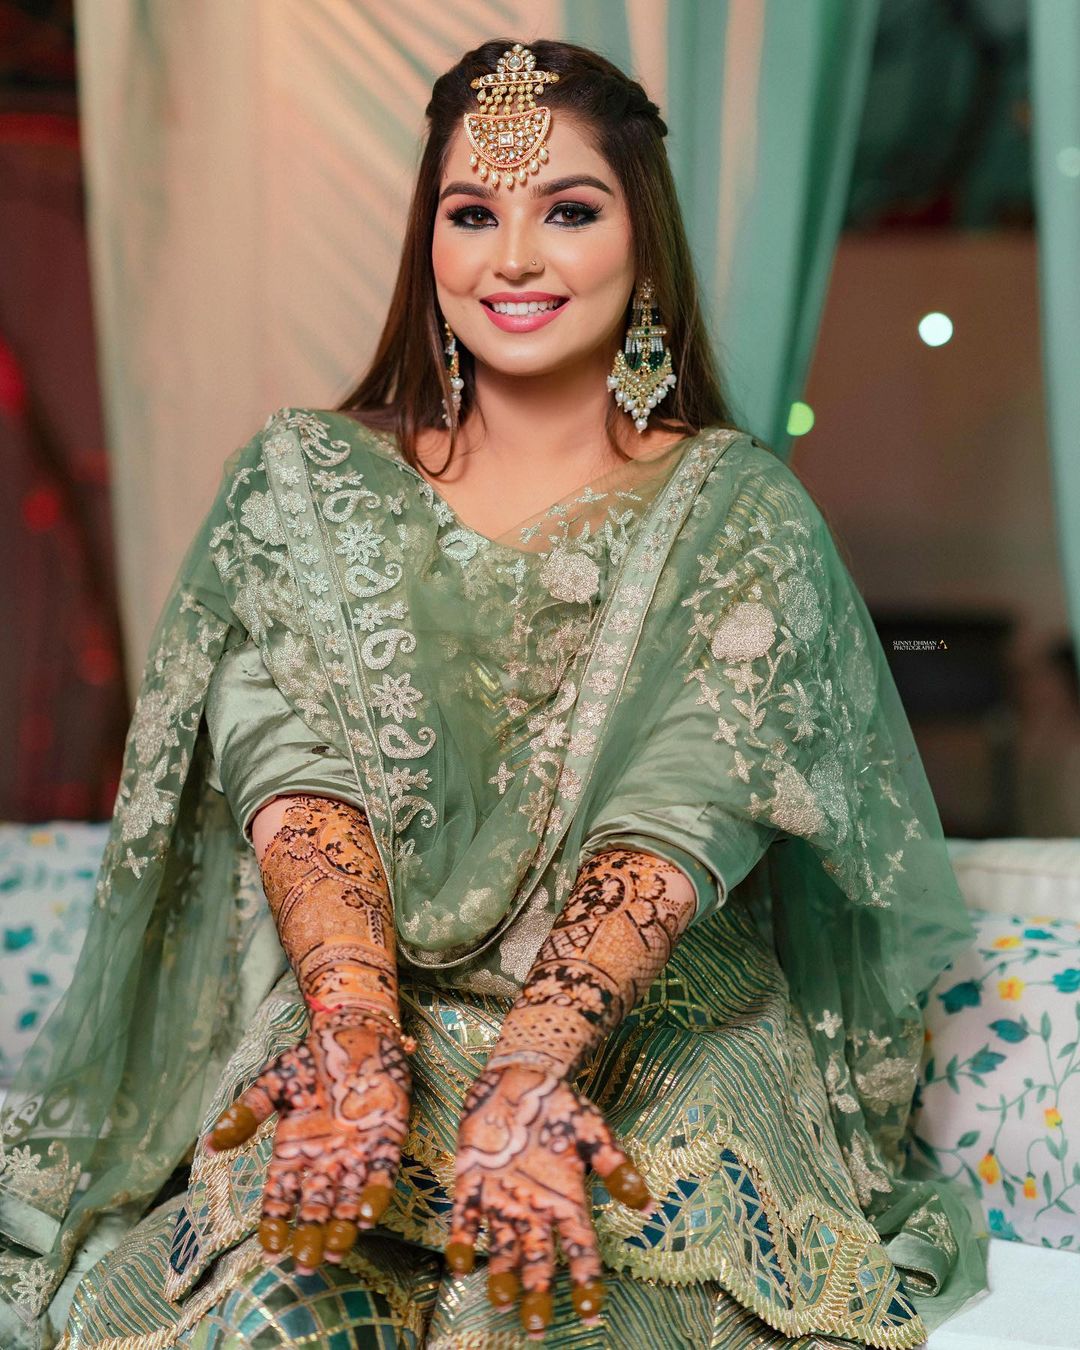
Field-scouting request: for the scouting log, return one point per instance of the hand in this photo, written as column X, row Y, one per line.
column 343, row 1101
column 526, row 1141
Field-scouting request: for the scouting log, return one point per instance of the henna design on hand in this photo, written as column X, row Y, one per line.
column 342, row 1095
column 527, row 1137
column 527, row 1140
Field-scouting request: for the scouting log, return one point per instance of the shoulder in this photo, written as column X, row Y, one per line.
column 335, row 441
column 752, row 480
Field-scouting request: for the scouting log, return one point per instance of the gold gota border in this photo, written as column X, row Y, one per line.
column 661, row 1165
column 237, row 1264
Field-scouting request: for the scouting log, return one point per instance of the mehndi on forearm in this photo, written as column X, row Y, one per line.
column 330, row 901
column 615, row 934
column 342, row 1094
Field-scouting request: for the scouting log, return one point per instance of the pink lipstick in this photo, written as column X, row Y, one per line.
column 523, row 323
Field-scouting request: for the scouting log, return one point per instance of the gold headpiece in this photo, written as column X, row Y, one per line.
column 508, row 142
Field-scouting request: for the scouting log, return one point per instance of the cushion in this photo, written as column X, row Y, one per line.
column 1010, row 876
column 998, row 1097
column 47, row 875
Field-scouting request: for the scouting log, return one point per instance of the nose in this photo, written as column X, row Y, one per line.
column 518, row 255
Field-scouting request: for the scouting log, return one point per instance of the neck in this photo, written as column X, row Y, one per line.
column 556, row 417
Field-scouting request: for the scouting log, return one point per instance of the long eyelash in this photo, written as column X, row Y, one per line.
column 586, row 214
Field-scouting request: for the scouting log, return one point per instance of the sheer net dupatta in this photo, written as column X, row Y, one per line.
column 761, row 662
column 176, row 959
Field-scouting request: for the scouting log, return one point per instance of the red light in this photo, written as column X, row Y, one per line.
column 41, row 508
column 97, row 665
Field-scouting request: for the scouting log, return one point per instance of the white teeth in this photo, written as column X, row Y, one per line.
column 522, row 306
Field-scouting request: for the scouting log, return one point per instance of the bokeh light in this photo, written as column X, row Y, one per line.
column 800, row 419
column 935, row 329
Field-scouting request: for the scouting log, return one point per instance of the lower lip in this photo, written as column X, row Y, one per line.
column 523, row 323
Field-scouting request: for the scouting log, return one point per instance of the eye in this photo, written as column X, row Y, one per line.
column 459, row 214
column 584, row 213
column 463, row 217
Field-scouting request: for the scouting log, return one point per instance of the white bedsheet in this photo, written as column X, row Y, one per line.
column 1034, row 1300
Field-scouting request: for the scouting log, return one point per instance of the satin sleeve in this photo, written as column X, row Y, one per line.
column 713, row 848
column 262, row 748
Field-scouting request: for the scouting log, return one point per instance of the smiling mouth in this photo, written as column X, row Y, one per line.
column 524, row 307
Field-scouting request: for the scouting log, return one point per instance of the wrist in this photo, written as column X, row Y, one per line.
column 353, row 1013
column 524, row 1058
column 528, row 1037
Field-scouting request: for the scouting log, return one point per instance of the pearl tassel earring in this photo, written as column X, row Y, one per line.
column 642, row 376
column 457, row 384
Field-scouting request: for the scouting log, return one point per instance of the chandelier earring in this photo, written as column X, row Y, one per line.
column 453, row 371
column 642, row 375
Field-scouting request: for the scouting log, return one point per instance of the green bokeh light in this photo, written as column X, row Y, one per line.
column 800, row 419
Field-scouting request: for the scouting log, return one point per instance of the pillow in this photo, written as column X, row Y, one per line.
column 998, row 1095
column 1010, row 876
column 47, row 876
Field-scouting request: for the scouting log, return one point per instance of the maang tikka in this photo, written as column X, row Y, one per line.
column 507, row 135
column 642, row 374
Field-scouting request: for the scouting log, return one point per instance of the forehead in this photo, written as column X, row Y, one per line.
column 570, row 150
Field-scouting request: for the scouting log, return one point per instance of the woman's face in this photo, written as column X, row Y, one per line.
column 564, row 235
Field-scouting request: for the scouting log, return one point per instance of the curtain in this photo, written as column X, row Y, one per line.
column 1055, row 81
column 249, row 167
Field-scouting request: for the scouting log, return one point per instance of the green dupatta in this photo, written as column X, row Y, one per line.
column 724, row 614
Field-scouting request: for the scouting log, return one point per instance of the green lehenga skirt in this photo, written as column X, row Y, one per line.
column 712, row 1084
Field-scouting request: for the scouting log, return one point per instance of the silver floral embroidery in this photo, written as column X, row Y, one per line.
column 744, row 634
column 570, row 576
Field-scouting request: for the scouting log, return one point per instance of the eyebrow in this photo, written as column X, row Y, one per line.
column 550, row 189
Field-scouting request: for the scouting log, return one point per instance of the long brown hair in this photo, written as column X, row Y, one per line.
column 403, row 388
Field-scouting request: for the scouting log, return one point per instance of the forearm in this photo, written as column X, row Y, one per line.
column 330, row 901
column 615, row 934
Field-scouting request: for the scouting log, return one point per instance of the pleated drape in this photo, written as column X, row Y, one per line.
column 1055, row 81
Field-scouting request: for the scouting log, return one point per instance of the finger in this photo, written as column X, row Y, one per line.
column 318, row 1187
column 464, row 1224
column 342, row 1230
column 578, row 1240
column 281, row 1191
column 316, row 1202
column 537, row 1271
column 504, row 1255
column 239, row 1121
column 268, row 1093
column 599, row 1149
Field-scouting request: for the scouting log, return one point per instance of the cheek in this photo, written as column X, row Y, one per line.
column 450, row 262
column 595, row 260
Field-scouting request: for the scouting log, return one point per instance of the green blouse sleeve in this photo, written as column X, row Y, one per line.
column 715, row 849
column 262, row 747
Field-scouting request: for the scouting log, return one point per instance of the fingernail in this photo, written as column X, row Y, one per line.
column 536, row 1310
column 307, row 1246
column 373, row 1203
column 234, row 1126
column 503, row 1288
column 340, row 1236
column 588, row 1299
column 460, row 1257
column 274, row 1236
column 627, row 1184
